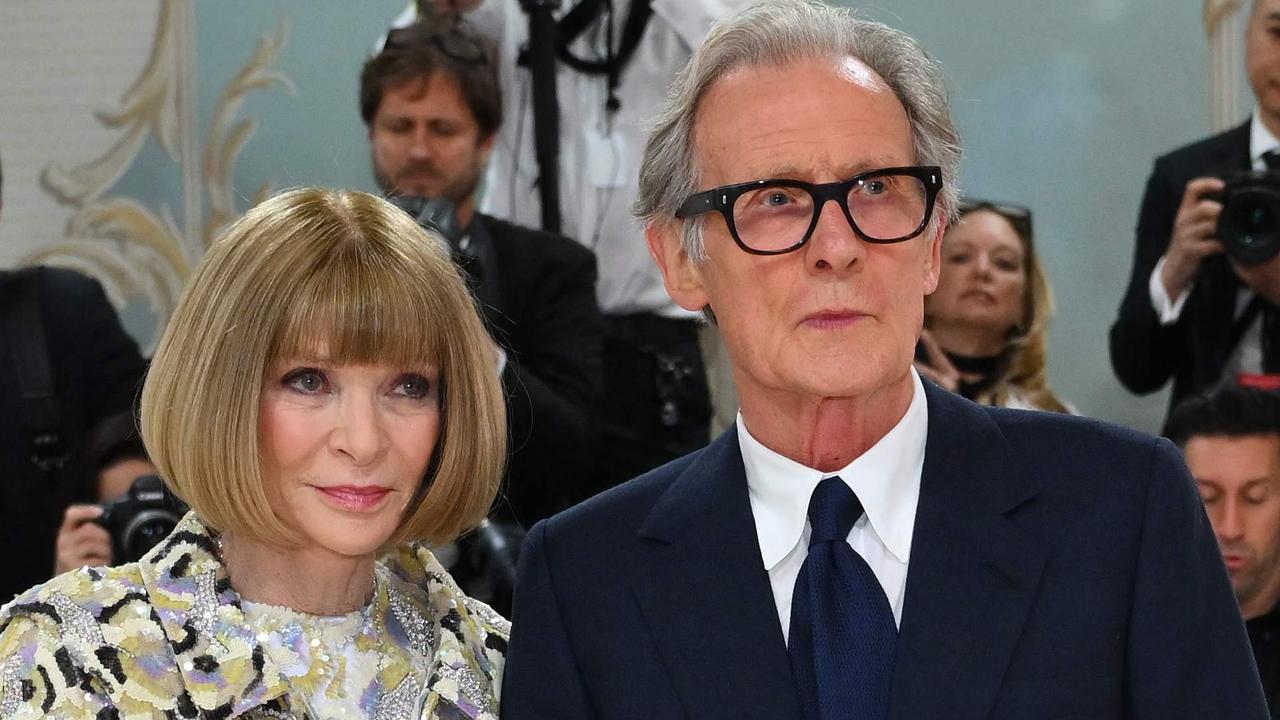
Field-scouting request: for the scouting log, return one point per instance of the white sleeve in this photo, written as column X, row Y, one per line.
column 488, row 18
column 1167, row 310
column 691, row 19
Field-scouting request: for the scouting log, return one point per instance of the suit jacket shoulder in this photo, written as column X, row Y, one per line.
column 524, row 245
column 1228, row 150
column 1066, row 547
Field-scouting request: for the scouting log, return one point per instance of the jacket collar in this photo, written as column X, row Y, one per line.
column 225, row 669
column 971, row 583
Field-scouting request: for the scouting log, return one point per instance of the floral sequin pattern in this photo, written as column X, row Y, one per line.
column 168, row 636
column 10, row 688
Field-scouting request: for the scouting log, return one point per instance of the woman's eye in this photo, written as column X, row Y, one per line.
column 307, row 381
column 413, row 386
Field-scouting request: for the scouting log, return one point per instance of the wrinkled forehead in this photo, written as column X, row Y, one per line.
column 1235, row 461
column 988, row 229
column 810, row 117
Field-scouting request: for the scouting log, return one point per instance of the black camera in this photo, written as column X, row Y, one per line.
column 1249, row 226
column 142, row 518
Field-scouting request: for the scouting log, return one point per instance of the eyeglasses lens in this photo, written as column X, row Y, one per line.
column 884, row 207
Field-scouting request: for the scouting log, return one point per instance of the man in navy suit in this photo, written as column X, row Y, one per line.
column 859, row 545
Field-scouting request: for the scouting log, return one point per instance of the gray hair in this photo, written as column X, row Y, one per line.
column 777, row 33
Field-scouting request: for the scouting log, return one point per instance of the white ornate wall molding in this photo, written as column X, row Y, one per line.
column 1229, row 99
column 141, row 246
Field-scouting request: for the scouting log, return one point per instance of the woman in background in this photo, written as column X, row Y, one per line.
column 324, row 397
column 986, row 325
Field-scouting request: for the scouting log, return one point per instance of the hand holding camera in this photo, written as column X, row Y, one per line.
column 119, row 531
column 81, row 542
column 1195, row 234
column 1239, row 215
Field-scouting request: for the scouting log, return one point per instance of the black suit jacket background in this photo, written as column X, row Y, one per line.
column 549, row 325
column 1194, row 350
column 96, row 372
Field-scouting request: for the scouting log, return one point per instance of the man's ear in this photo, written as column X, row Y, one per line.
column 933, row 264
column 680, row 273
column 485, row 145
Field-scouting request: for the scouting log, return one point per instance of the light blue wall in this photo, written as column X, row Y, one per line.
column 311, row 137
column 1063, row 107
column 315, row 137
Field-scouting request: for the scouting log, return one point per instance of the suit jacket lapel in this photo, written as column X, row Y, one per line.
column 973, row 572
column 706, row 595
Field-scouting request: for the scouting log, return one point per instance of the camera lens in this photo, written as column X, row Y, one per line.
column 1249, row 226
column 144, row 531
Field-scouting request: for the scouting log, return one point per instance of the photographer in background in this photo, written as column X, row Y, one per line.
column 1192, row 312
column 1231, row 439
column 614, row 62
column 430, row 99
column 65, row 365
column 115, row 457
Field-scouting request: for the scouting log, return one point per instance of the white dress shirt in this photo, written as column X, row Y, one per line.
column 600, row 151
column 886, row 478
column 1247, row 355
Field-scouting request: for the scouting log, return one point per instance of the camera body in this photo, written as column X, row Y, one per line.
column 433, row 213
column 1249, row 226
column 142, row 518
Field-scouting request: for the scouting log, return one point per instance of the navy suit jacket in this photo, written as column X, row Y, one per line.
column 1060, row 568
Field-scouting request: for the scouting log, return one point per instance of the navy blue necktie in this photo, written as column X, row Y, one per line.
column 842, row 635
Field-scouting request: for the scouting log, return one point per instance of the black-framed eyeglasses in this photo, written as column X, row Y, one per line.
column 457, row 41
column 771, row 217
column 1019, row 216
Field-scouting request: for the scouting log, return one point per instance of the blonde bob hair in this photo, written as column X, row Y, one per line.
column 309, row 271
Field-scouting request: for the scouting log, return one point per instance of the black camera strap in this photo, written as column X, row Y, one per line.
column 577, row 20
column 540, row 57
column 24, row 331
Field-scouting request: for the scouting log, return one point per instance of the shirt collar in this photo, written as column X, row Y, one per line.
column 1260, row 140
column 886, row 478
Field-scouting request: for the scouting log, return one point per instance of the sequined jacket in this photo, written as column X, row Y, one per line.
column 166, row 638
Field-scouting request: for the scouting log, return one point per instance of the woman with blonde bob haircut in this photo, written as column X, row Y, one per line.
column 987, row 324
column 324, row 397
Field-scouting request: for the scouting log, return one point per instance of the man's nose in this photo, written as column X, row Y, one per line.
column 1230, row 525
column 834, row 244
column 420, row 146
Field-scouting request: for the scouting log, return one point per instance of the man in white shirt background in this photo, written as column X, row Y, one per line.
column 657, row 404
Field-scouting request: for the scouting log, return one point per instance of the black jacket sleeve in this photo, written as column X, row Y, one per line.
column 1144, row 352
column 552, row 331
column 541, row 677
column 99, row 361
